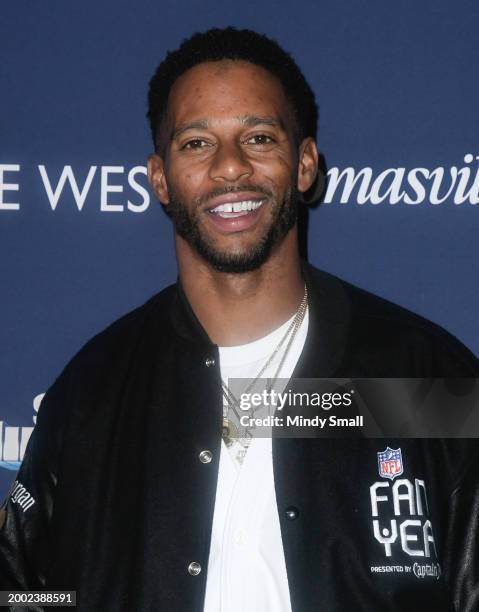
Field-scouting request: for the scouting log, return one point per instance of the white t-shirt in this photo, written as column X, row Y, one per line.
column 246, row 567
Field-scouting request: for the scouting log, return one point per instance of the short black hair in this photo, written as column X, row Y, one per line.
column 231, row 43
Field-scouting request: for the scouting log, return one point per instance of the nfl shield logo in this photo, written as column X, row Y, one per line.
column 390, row 463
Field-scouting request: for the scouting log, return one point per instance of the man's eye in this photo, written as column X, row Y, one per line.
column 196, row 143
column 260, row 139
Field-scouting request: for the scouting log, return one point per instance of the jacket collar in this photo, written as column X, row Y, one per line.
column 184, row 320
column 329, row 321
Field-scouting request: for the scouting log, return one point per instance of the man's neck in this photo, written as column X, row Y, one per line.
column 235, row 309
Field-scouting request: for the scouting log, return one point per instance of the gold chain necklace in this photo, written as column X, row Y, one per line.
column 229, row 431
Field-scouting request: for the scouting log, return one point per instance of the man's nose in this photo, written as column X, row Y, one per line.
column 230, row 163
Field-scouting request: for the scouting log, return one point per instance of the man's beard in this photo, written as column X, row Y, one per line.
column 283, row 218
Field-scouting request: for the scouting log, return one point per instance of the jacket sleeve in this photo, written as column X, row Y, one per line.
column 26, row 513
column 461, row 563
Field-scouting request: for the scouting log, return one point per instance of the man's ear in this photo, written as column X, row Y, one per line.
column 307, row 164
column 156, row 177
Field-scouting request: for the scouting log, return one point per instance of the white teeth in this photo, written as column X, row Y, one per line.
column 238, row 206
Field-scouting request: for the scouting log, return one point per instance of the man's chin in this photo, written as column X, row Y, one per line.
column 233, row 263
column 234, row 254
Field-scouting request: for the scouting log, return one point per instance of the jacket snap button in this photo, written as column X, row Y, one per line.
column 209, row 361
column 292, row 513
column 206, row 456
column 194, row 568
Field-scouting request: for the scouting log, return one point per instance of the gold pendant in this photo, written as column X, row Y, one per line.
column 229, row 432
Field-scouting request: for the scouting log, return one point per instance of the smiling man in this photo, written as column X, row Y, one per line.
column 140, row 495
column 231, row 159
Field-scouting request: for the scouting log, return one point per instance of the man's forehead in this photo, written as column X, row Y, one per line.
column 222, row 68
column 234, row 90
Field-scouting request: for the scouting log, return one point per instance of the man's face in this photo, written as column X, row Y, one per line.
column 229, row 167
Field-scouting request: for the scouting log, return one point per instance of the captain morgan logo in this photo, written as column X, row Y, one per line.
column 400, row 520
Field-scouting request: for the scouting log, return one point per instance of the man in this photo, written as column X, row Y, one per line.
column 143, row 499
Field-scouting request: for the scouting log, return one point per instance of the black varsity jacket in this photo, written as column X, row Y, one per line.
column 112, row 499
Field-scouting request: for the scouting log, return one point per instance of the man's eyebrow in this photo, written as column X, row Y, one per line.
column 254, row 120
column 200, row 124
column 247, row 120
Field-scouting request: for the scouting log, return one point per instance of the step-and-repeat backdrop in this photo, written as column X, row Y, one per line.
column 82, row 240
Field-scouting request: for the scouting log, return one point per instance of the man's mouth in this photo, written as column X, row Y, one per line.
column 231, row 210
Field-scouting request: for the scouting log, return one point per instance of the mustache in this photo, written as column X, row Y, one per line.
column 219, row 191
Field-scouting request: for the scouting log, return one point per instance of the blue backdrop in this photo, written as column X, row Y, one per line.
column 82, row 241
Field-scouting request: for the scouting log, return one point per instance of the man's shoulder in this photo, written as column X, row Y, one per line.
column 143, row 325
column 365, row 306
column 102, row 366
column 378, row 328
